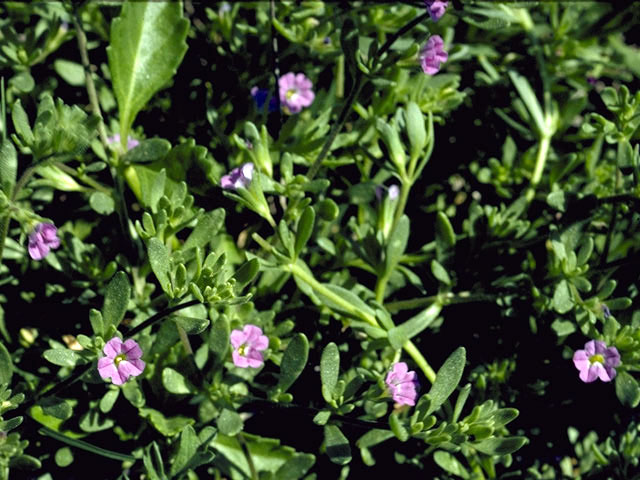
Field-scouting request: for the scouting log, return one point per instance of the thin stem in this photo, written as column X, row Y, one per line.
column 247, row 456
column 4, row 221
column 91, row 88
column 84, row 178
column 446, row 299
column 541, row 160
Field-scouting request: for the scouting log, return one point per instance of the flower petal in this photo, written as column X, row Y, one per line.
column 239, row 360
column 132, row 349
column 106, row 368
column 113, row 347
column 237, row 338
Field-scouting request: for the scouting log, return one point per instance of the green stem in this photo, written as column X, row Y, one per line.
column 84, row 178
column 446, row 299
column 541, row 160
column 409, row 346
column 4, row 222
column 247, row 456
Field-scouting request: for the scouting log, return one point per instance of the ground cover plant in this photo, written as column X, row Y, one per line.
column 304, row 239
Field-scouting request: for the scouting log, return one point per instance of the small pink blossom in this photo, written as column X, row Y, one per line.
column 115, row 140
column 43, row 238
column 247, row 345
column 432, row 55
column 239, row 177
column 436, row 8
column 596, row 361
column 402, row 384
column 122, row 360
column 295, row 91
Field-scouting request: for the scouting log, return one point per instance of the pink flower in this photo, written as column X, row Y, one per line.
column 402, row 384
column 436, row 8
column 295, row 91
column 247, row 345
column 432, row 55
column 239, row 177
column 596, row 361
column 43, row 238
column 115, row 140
column 122, row 360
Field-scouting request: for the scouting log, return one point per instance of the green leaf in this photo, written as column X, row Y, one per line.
column 449, row 463
column 530, row 100
column 305, row 229
column 374, row 437
column 175, row 382
column 64, row 457
column 337, row 445
column 94, row 421
column 168, row 427
column 10, row 424
column 21, row 123
column 56, row 407
column 627, row 389
column 108, row 400
column 6, row 365
column 397, row 242
column 116, row 300
column 246, row 272
column 329, row 368
column 208, row 226
column 133, row 393
column 71, row 72
column 416, row 130
column 61, row 357
column 191, row 326
column 562, row 298
column 500, row 446
column 25, row 462
column 229, row 422
column 294, row 360
column 439, row 272
column 97, row 324
column 412, row 327
column 219, row 338
column 102, row 203
column 187, row 449
column 8, row 166
column 160, row 263
column 149, row 150
column 445, row 235
column 295, row 467
column 356, row 304
column 147, row 46
column 447, row 379
column 397, row 427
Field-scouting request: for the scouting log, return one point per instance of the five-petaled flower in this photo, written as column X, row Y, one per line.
column 432, row 55
column 402, row 384
column 122, row 360
column 239, row 177
column 436, row 8
column 295, row 92
column 596, row 361
column 43, row 238
column 247, row 345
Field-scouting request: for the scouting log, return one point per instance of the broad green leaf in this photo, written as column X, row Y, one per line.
column 6, row 365
column 97, row 324
column 397, row 242
column 191, row 326
column 451, row 464
column 246, row 272
column 56, row 407
column 147, row 46
column 562, row 298
column 8, row 166
column 25, row 462
column 133, row 393
column 295, row 467
column 416, row 130
column 175, row 382
column 447, row 379
column 61, row 357
column 168, row 427
column 374, row 437
column 160, row 263
column 329, row 368
column 500, row 446
column 337, row 445
column 108, row 400
column 230, row 423
column 208, row 226
column 305, row 228
column 21, row 123
column 94, row 421
column 116, row 300
column 412, row 327
column 10, row 424
column 187, row 449
column 294, row 360
column 149, row 150
column 627, row 389
column 102, row 203
column 71, row 72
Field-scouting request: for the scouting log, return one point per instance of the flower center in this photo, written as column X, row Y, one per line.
column 596, row 358
column 290, row 93
column 119, row 358
column 242, row 350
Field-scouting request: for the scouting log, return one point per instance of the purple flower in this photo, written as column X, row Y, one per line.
column 122, row 360
column 239, row 177
column 43, row 238
column 432, row 55
column 592, row 80
column 402, row 384
column 295, row 91
column 436, row 8
column 115, row 140
column 596, row 361
column 260, row 96
column 247, row 345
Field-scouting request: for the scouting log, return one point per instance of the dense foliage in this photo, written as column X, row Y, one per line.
column 294, row 240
